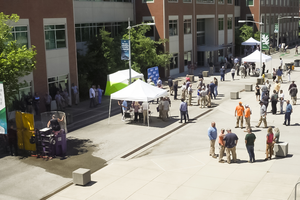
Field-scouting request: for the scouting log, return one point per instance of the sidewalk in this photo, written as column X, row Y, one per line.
column 178, row 165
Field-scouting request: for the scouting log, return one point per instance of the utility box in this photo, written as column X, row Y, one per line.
column 281, row 149
column 234, row 95
column 248, row 88
column 81, row 176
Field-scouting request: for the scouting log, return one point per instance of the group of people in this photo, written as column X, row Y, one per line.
column 95, row 96
column 140, row 110
column 228, row 142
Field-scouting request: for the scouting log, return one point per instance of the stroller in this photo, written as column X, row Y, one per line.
column 256, row 72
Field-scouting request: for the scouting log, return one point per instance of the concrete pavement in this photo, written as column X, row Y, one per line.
column 178, row 166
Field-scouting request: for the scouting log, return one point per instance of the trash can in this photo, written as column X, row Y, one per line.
column 296, row 63
column 69, row 118
column 191, row 78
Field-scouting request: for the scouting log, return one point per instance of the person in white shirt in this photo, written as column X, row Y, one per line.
column 75, row 94
column 166, row 106
column 183, row 90
column 159, row 82
column 92, row 96
column 145, row 107
column 232, row 73
column 190, row 92
column 281, row 100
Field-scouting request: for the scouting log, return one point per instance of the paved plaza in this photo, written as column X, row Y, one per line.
column 176, row 166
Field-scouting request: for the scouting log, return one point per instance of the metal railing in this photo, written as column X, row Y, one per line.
column 296, row 190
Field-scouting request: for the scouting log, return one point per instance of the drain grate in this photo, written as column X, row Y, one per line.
column 164, row 135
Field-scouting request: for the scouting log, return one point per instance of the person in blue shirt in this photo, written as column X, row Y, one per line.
column 212, row 89
column 288, row 112
column 279, row 74
column 100, row 91
column 183, row 110
column 222, row 72
column 212, row 134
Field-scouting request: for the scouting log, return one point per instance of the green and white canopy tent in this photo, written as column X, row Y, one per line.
column 120, row 80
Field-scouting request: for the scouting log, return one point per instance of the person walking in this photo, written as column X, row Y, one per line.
column 190, row 93
column 288, row 72
column 281, row 62
column 48, row 99
column 175, row 88
column 232, row 73
column 221, row 145
column 269, row 145
column 170, row 83
column 75, row 94
column 222, row 72
column 198, row 95
column 247, row 117
column 288, row 112
column 183, row 110
column 145, row 107
column 212, row 89
column 281, row 100
column 279, row 74
column 293, row 92
column 257, row 92
column 249, row 140
column 92, row 96
column 263, row 115
column 239, row 114
column 277, row 86
column 231, row 140
column 274, row 100
column 274, row 74
column 216, row 86
column 212, row 134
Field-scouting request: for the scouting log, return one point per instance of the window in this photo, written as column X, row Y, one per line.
column 111, row 0
column 187, row 1
column 267, row 20
column 276, row 2
column 173, row 27
column 229, row 1
column 55, row 36
column 200, row 31
column 236, row 22
column 250, row 18
column 19, row 33
column 173, row 1
column 249, row 2
column 221, row 1
column 205, row 1
column 262, row 2
column 272, row 2
column 58, row 83
column 187, row 26
column 237, row 2
column 221, row 24
column 229, row 23
column 151, row 32
column 187, row 58
column 174, row 61
column 148, row 1
column 267, row 2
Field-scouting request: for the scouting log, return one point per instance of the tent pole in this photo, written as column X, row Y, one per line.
column 109, row 110
column 148, row 113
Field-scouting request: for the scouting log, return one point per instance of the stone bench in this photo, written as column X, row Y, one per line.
column 281, row 149
column 81, row 176
column 234, row 95
column 269, row 76
column 248, row 88
column 205, row 73
column 260, row 81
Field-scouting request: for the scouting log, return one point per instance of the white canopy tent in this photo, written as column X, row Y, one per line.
column 138, row 91
column 251, row 41
column 255, row 57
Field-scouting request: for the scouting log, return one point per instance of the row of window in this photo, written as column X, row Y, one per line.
column 274, row 2
column 185, row 1
column 107, row 0
column 174, row 59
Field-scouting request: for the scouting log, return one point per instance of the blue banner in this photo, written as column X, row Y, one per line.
column 153, row 73
column 125, row 47
column 3, row 122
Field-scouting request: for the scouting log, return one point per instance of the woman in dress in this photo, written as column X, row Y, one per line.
column 269, row 144
column 257, row 92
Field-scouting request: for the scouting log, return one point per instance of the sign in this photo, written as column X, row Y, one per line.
column 265, row 41
column 153, row 73
column 276, row 28
column 3, row 122
column 125, row 48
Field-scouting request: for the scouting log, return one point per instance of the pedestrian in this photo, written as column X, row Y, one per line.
column 222, row 72
column 12, row 140
column 263, row 115
column 264, row 91
column 242, row 70
column 190, row 92
column 145, row 107
column 212, row 134
column 66, row 97
column 136, row 106
column 281, row 100
column 276, row 135
column 208, row 99
column 96, row 95
column 175, row 88
column 36, row 103
column 239, row 114
column 263, row 69
column 183, row 90
column 279, row 74
column 274, row 100
column 247, row 116
column 159, row 81
column 212, row 89
column 216, row 86
column 232, row 73
column 221, row 145
column 200, row 75
column 293, row 92
column 268, row 85
column 160, row 108
column 183, row 110
column 124, row 108
column 281, row 62
column 231, row 140
column 47, row 99
column 288, row 112
column 198, row 95
column 59, row 101
column 249, row 140
column 288, row 72
column 270, row 145
column 100, row 93
column 92, row 97
column 277, row 86
column 170, row 83
column 203, row 97
column 29, row 101
column 296, row 49
column 75, row 94
column 257, row 92
column 166, row 106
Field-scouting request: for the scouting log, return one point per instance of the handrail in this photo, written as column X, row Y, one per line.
column 296, row 190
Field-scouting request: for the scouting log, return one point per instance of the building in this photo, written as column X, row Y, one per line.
column 268, row 12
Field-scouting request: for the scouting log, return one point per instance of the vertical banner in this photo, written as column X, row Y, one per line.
column 3, row 122
column 153, row 73
column 265, row 41
column 125, row 45
column 276, row 28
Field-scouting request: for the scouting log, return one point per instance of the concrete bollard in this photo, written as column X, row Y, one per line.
column 81, row 176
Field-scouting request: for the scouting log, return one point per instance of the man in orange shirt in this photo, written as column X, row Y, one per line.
column 239, row 114
column 221, row 145
column 247, row 117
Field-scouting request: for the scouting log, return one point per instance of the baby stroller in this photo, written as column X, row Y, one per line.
column 257, row 72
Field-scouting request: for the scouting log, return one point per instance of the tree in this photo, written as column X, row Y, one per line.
column 245, row 32
column 15, row 60
column 145, row 52
column 257, row 35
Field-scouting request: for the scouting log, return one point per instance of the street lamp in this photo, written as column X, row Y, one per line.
column 286, row 17
column 260, row 23
column 129, row 28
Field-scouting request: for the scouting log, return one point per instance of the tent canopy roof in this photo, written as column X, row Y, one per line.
column 139, row 91
column 255, row 57
column 123, row 75
column 251, row 41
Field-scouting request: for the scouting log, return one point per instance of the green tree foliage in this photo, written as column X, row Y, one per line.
column 245, row 32
column 145, row 52
column 15, row 60
column 257, row 35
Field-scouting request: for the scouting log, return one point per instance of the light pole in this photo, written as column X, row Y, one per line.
column 279, row 18
column 260, row 23
column 129, row 28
